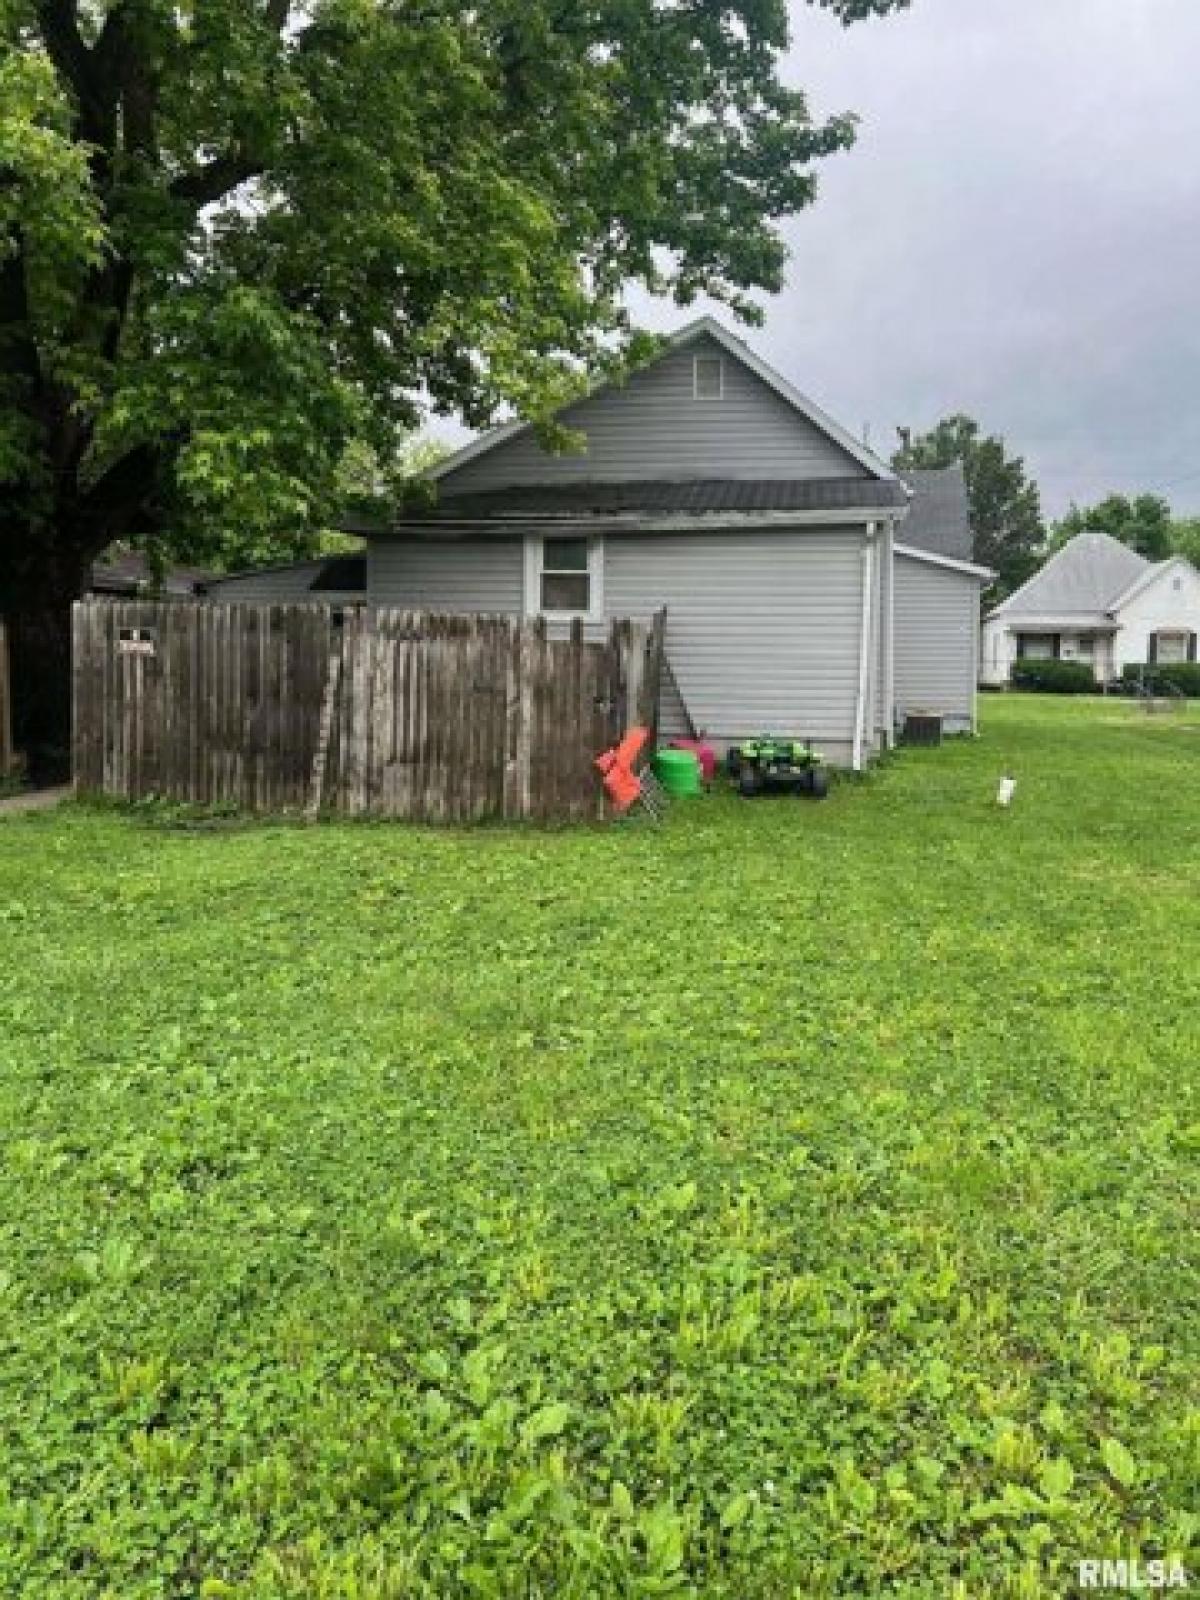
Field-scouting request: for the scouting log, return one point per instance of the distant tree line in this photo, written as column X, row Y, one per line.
column 1011, row 535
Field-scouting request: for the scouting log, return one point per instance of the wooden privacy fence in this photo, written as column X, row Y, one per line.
column 366, row 712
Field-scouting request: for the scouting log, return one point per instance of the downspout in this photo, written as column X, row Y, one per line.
column 864, row 648
column 889, row 633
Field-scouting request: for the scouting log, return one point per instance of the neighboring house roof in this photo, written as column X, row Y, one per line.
column 940, row 517
column 1154, row 570
column 1083, row 581
column 1046, row 622
column 703, row 327
column 341, row 574
column 931, row 558
column 690, row 497
column 131, row 574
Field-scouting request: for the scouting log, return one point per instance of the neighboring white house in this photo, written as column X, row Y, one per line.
column 1098, row 601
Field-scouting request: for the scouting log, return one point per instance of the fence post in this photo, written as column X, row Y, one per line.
column 329, row 701
column 651, row 686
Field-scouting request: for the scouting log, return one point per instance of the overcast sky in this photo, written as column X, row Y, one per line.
column 1016, row 234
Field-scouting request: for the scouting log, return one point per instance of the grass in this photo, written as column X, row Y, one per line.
column 794, row 1201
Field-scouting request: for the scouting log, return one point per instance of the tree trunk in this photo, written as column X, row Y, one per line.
column 47, row 548
column 36, row 593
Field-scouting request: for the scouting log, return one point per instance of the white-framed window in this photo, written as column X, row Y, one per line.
column 1035, row 647
column 564, row 576
column 1172, row 648
column 708, row 378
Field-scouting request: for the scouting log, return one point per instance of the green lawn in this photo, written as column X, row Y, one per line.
column 793, row 1201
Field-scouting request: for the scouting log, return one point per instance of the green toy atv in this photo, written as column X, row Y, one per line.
column 768, row 762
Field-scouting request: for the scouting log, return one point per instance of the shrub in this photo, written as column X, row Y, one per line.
column 1054, row 677
column 1164, row 677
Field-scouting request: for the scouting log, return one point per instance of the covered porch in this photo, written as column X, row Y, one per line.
column 1091, row 642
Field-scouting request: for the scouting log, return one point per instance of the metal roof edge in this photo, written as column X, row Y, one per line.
column 953, row 563
column 640, row 522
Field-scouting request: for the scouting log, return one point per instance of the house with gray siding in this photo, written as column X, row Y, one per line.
column 937, row 602
column 797, row 602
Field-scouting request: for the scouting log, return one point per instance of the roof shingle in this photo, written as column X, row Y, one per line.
column 690, row 497
column 940, row 517
column 1086, row 577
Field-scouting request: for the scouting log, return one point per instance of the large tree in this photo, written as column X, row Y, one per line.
column 1006, row 510
column 1185, row 539
column 1143, row 522
column 236, row 235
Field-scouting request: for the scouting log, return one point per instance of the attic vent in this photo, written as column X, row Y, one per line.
column 708, row 378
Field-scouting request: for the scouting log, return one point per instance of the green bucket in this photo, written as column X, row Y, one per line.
column 678, row 771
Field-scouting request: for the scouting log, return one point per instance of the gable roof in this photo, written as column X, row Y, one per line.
column 1086, row 578
column 703, row 327
column 939, row 519
column 1154, row 571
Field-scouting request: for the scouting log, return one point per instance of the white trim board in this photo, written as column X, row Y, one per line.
column 951, row 563
column 678, row 340
column 532, row 581
column 621, row 524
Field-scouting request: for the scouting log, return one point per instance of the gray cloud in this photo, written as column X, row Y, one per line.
column 1016, row 234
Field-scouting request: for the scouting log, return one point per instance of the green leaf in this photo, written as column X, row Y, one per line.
column 737, row 1510
column 547, row 1423
column 1121, row 1465
column 622, row 1500
column 459, row 1505
column 663, row 1531
column 1056, row 1478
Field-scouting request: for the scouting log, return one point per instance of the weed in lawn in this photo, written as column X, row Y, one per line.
column 389, row 1212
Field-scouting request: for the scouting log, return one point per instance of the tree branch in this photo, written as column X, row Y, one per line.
column 205, row 185
column 122, row 491
column 17, row 347
column 59, row 22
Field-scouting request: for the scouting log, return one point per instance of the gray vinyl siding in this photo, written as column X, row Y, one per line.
column 762, row 626
column 458, row 575
column 653, row 428
column 937, row 641
column 673, row 722
column 278, row 587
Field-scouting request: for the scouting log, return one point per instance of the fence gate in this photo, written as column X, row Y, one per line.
column 367, row 712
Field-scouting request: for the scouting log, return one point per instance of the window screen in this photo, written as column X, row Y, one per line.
column 566, row 583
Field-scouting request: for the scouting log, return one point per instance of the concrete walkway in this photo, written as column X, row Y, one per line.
column 35, row 800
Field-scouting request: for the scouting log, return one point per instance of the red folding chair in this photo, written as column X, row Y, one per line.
column 627, row 787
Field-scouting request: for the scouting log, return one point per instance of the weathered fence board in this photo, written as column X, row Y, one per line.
column 368, row 712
